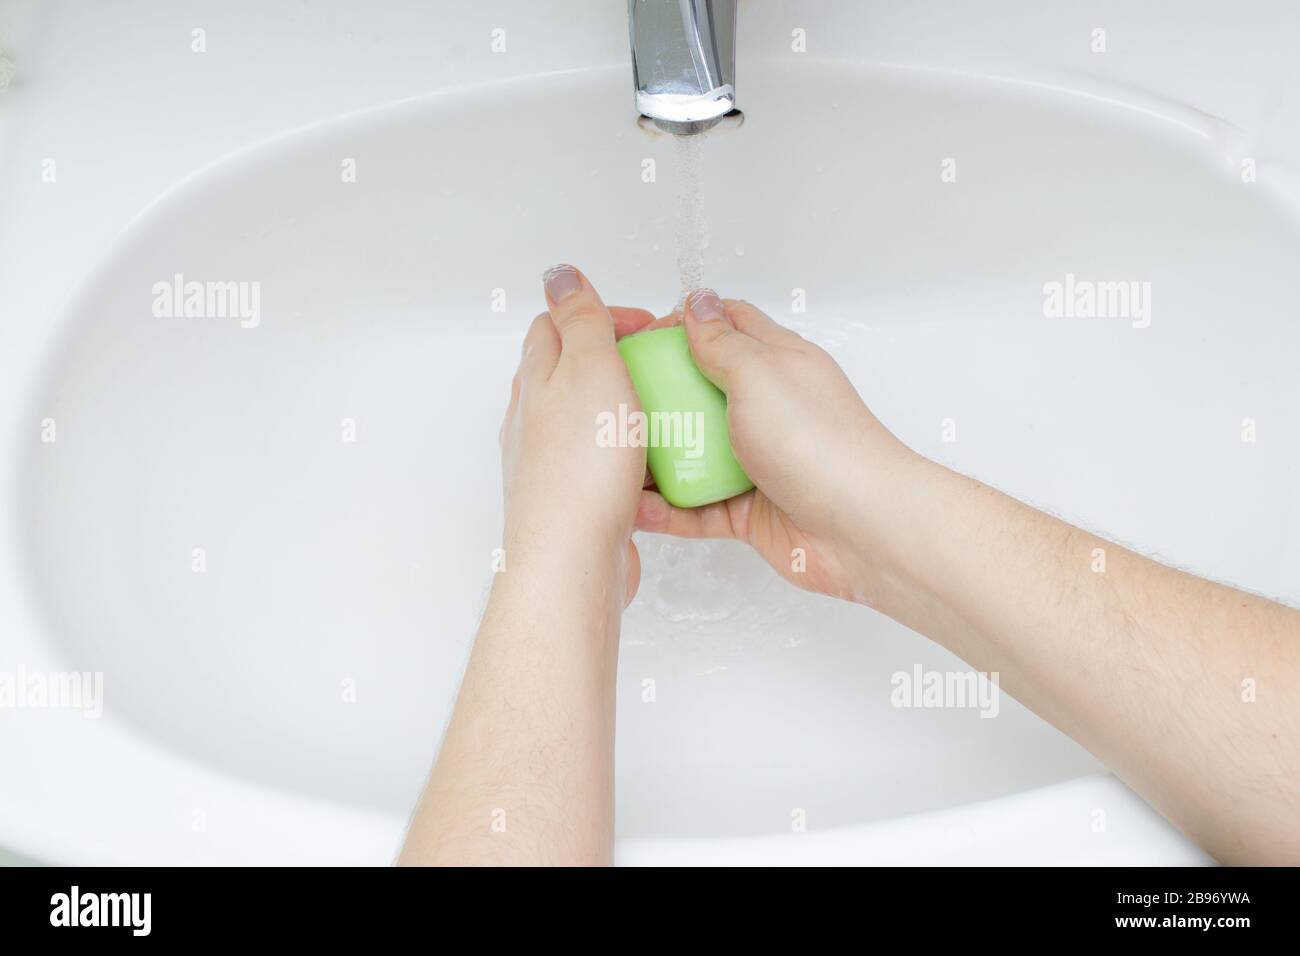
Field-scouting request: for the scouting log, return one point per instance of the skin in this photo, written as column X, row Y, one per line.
column 1142, row 664
column 525, row 775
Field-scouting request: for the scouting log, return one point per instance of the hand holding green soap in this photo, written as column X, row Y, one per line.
column 688, row 449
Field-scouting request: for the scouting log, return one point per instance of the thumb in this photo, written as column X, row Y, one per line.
column 719, row 348
column 580, row 317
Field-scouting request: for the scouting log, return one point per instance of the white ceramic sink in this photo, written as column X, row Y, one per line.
column 337, row 566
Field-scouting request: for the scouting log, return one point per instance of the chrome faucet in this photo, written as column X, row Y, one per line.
column 683, row 61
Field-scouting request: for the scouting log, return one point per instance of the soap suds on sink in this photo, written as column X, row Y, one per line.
column 707, row 606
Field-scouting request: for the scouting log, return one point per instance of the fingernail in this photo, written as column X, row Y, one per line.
column 705, row 305
column 561, row 282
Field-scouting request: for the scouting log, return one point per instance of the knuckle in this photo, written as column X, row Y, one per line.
column 740, row 307
column 536, row 326
column 715, row 333
column 576, row 315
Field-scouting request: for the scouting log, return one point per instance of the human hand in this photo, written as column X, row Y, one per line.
column 822, row 463
column 566, row 498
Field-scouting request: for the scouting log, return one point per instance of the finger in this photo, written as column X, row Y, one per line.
column 510, row 411
column 757, row 324
column 723, row 519
column 633, row 580
column 540, row 350
column 719, row 348
column 580, row 317
column 672, row 318
column 628, row 320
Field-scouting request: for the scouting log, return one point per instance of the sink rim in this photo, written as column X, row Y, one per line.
column 367, row 831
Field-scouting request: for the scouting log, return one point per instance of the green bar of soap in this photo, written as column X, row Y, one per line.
column 688, row 449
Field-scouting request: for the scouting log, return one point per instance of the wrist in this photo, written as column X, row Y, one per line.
column 557, row 565
column 550, row 537
column 888, row 533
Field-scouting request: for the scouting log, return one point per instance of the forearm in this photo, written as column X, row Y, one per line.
column 525, row 772
column 1150, row 668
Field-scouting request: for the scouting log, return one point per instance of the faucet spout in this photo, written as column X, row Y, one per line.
column 683, row 61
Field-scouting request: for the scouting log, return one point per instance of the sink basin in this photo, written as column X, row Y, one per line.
column 273, row 534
